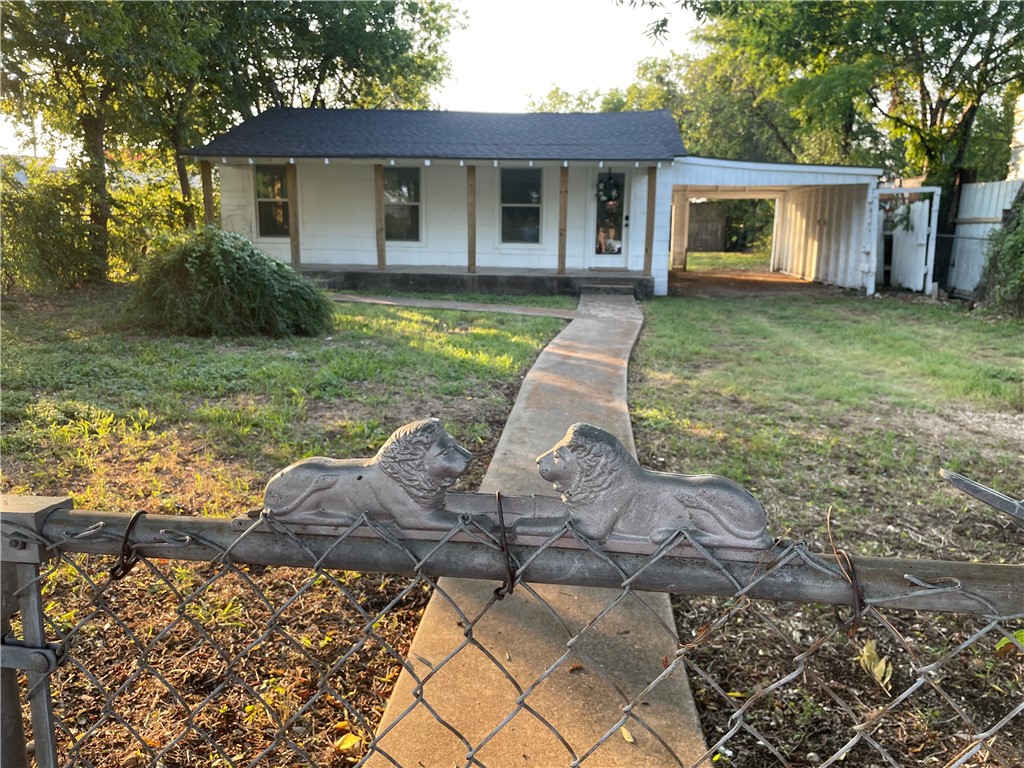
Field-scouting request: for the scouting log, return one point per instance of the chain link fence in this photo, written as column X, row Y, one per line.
column 168, row 641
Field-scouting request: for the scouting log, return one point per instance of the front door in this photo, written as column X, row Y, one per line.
column 610, row 236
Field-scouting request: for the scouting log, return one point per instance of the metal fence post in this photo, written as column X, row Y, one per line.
column 23, row 552
column 13, row 752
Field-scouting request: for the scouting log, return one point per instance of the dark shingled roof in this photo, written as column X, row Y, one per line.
column 284, row 132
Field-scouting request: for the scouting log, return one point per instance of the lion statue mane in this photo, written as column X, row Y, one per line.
column 406, row 481
column 606, row 493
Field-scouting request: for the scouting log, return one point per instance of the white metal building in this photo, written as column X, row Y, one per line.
column 826, row 217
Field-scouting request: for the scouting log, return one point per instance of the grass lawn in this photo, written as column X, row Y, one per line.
column 125, row 421
column 731, row 261
column 843, row 402
column 122, row 421
column 848, row 404
column 815, row 402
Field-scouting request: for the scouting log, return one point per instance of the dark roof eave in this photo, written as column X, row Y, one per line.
column 199, row 154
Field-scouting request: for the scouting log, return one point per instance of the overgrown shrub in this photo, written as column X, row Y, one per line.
column 1003, row 280
column 214, row 283
column 44, row 237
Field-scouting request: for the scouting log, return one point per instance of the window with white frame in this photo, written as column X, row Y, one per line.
column 272, row 200
column 520, row 205
column 402, row 204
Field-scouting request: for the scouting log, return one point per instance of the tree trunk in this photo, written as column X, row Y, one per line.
column 186, row 191
column 93, row 129
column 184, row 182
column 950, row 175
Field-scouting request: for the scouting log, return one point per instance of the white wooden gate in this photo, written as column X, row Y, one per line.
column 913, row 244
column 910, row 249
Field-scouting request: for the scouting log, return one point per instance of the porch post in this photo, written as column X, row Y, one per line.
column 206, row 175
column 652, row 187
column 563, row 214
column 293, row 213
column 471, row 218
column 378, row 206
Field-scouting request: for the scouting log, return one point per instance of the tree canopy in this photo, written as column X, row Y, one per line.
column 925, row 74
column 919, row 89
column 114, row 75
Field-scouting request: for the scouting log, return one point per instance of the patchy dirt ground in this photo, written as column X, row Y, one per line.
column 739, row 283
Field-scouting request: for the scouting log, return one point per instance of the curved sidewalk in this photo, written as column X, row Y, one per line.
column 576, row 691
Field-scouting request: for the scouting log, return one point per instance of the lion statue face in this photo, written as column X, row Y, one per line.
column 424, row 459
column 584, row 462
column 560, row 468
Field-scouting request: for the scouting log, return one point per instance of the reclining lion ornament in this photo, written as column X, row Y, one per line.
column 608, row 495
column 405, row 482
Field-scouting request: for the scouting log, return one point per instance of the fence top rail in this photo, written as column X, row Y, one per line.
column 788, row 571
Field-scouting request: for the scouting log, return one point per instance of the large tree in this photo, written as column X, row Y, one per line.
column 922, row 71
column 170, row 75
column 74, row 67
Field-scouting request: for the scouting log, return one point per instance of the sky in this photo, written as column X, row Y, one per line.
column 514, row 51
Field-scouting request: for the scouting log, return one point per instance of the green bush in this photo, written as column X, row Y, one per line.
column 44, row 236
column 1003, row 280
column 214, row 283
column 146, row 207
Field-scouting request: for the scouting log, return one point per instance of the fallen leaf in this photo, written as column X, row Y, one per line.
column 348, row 744
column 626, row 734
column 576, row 668
column 879, row 667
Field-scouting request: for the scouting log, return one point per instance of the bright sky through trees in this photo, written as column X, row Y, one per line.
column 512, row 52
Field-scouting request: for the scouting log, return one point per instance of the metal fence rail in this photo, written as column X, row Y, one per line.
column 170, row 641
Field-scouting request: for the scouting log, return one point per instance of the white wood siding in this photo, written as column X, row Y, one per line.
column 337, row 224
column 237, row 200
column 336, row 216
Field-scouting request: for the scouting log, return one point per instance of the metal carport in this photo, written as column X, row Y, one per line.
column 826, row 217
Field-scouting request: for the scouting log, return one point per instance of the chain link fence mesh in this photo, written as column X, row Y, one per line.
column 228, row 663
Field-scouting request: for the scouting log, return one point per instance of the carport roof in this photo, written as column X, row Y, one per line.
column 369, row 133
column 711, row 177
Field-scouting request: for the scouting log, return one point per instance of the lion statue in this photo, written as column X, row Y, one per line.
column 606, row 493
column 405, row 482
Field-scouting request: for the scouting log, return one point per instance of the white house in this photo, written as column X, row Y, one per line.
column 570, row 198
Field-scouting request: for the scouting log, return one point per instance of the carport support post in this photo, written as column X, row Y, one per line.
column 680, row 228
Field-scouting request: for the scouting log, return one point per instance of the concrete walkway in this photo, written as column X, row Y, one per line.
column 580, row 376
